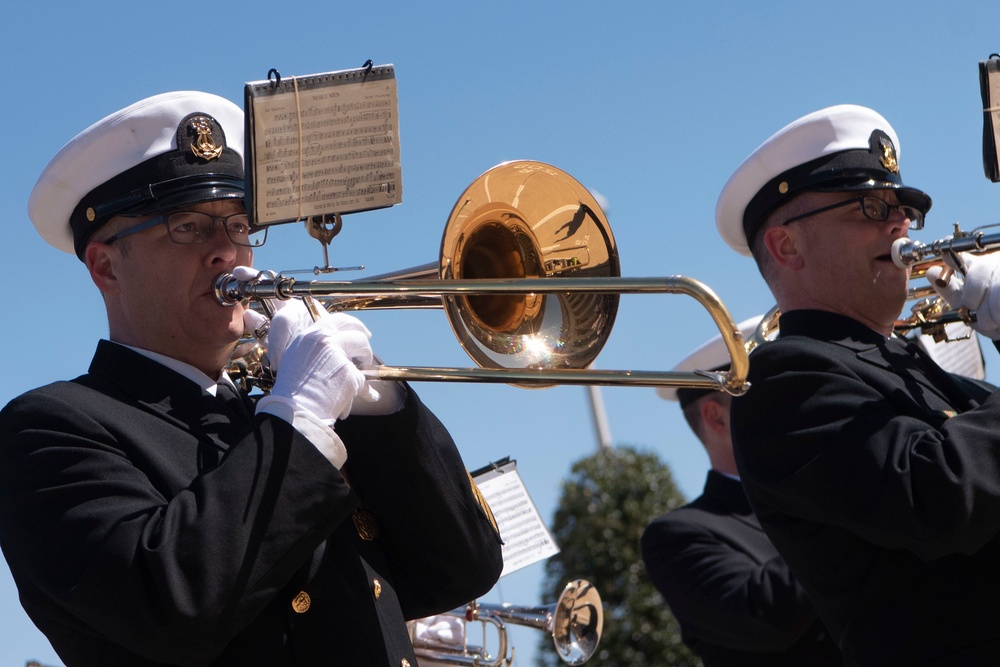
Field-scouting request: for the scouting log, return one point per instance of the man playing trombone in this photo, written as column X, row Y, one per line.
column 875, row 472
column 153, row 514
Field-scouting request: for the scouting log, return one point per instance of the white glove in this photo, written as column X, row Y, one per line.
column 978, row 290
column 319, row 369
column 378, row 397
column 291, row 317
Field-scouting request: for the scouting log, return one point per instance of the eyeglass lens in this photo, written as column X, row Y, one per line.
column 878, row 209
column 187, row 227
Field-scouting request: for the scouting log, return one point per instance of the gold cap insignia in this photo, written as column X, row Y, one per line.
column 888, row 158
column 204, row 145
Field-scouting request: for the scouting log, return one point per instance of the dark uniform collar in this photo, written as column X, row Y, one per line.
column 896, row 355
column 826, row 326
column 727, row 491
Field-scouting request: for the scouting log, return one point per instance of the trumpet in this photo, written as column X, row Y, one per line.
column 575, row 622
column 907, row 252
column 529, row 277
column 930, row 312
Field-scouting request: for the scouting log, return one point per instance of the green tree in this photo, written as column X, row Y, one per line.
column 605, row 504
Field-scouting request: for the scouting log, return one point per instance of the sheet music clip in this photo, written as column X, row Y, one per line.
column 368, row 68
column 323, row 228
column 499, row 467
column 276, row 81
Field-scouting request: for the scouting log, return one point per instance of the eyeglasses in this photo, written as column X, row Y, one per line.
column 873, row 208
column 189, row 227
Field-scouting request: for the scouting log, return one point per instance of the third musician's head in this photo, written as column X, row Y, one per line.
column 818, row 205
column 706, row 410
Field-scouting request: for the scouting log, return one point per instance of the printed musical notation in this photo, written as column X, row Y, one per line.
column 322, row 144
column 526, row 538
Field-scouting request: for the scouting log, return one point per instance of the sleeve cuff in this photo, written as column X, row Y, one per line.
column 318, row 432
column 391, row 399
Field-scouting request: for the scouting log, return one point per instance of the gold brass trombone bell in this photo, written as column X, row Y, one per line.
column 529, row 277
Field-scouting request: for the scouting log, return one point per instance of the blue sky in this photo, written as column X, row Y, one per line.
column 649, row 105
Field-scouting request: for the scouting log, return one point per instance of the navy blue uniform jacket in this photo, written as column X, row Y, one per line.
column 146, row 524
column 877, row 476
column 735, row 599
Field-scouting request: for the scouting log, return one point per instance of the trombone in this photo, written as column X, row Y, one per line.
column 575, row 623
column 529, row 277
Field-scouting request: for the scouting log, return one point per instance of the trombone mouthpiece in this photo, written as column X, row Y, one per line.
column 227, row 291
column 906, row 252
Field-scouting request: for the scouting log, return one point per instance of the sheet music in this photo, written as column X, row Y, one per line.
column 322, row 144
column 526, row 538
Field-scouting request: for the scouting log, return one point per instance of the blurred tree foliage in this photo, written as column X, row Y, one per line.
column 605, row 504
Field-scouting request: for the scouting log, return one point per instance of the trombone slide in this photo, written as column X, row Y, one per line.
column 230, row 291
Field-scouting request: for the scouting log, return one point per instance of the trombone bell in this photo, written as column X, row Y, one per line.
column 519, row 220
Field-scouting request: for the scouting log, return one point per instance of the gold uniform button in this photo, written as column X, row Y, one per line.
column 404, row 663
column 301, row 602
column 376, row 588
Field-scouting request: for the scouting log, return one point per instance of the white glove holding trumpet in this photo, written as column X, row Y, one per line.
column 978, row 290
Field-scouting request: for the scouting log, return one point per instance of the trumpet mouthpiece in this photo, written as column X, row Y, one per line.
column 905, row 252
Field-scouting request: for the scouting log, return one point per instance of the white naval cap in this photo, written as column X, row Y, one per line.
column 844, row 147
column 712, row 355
column 161, row 153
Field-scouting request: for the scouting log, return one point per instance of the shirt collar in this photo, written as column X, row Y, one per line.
column 185, row 369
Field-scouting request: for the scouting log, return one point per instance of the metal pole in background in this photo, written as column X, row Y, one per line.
column 600, row 417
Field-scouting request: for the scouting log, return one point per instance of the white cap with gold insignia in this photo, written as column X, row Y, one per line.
column 163, row 152
column 840, row 148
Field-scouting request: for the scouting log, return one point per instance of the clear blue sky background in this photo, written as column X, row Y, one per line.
column 650, row 105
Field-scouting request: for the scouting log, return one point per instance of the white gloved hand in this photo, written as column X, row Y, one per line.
column 291, row 317
column 978, row 290
column 319, row 369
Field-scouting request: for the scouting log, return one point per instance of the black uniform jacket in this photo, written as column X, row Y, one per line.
column 877, row 476
column 734, row 597
column 146, row 524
